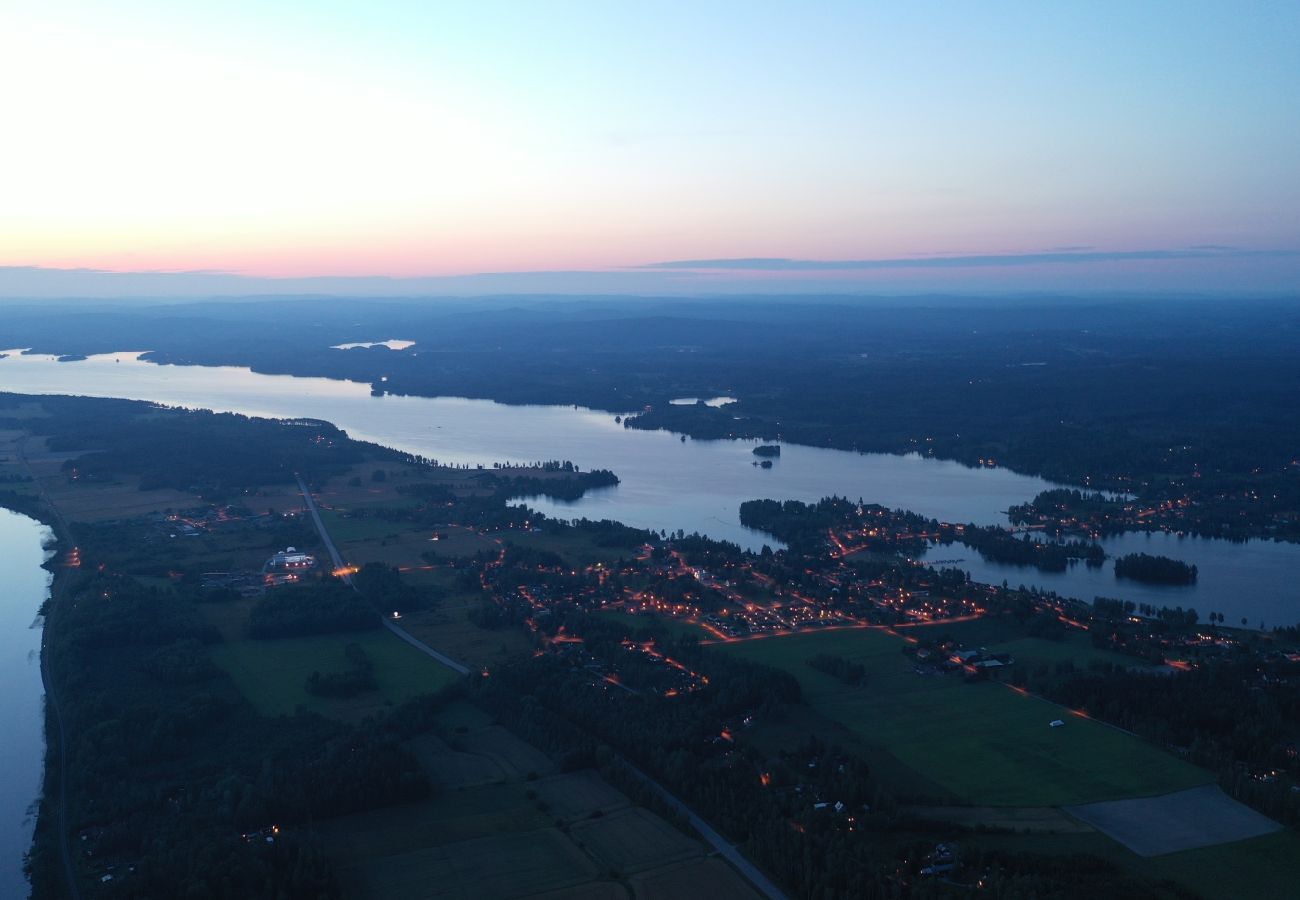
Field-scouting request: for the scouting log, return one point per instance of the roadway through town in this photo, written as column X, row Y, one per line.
column 720, row 844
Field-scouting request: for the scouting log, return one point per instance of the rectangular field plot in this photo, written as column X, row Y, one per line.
column 634, row 840
column 513, row 865
column 579, row 794
column 517, row 758
column 985, row 743
column 705, row 879
column 445, row 818
column 1186, row 820
column 273, row 674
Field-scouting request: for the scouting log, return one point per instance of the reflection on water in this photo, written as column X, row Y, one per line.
column 1255, row 580
column 666, row 483
column 22, row 748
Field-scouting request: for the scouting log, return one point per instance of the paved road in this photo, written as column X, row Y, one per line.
column 725, row 849
column 340, row 565
column 320, row 528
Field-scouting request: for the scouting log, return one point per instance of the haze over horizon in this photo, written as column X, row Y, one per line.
column 186, row 150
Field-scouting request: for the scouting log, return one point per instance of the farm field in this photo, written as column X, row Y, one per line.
column 273, row 674
column 570, row 835
column 985, row 743
column 1261, row 867
column 1185, row 820
column 634, row 840
column 1267, row 866
column 705, row 879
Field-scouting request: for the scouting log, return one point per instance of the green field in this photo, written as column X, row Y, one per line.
column 345, row 529
column 675, row 627
column 983, row 742
column 1267, row 866
column 273, row 674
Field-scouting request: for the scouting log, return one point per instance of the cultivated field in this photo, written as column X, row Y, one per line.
column 1184, row 820
column 490, row 867
column 984, row 743
column 705, row 879
column 577, row 795
column 566, row 836
column 634, row 840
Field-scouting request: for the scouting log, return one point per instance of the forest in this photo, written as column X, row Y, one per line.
column 999, row 545
column 171, row 769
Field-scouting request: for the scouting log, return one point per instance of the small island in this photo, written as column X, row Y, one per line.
column 1154, row 569
column 767, row 450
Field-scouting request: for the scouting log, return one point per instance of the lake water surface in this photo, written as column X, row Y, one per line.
column 668, row 483
column 22, row 747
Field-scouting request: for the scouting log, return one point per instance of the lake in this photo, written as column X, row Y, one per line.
column 668, row 483
column 1255, row 579
column 22, row 751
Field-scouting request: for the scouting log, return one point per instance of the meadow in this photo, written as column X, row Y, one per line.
column 984, row 743
column 273, row 674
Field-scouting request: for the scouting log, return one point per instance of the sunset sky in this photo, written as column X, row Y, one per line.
column 583, row 146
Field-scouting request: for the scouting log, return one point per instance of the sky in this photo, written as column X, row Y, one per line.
column 402, row 147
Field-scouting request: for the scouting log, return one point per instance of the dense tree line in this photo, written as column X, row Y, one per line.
column 322, row 606
column 1000, row 545
column 1154, row 569
column 357, row 677
column 216, row 455
column 846, row 670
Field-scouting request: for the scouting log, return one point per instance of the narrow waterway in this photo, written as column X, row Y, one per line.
column 22, row 748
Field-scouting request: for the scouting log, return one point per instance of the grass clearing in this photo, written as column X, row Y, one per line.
column 1267, row 866
column 273, row 674
column 985, row 743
